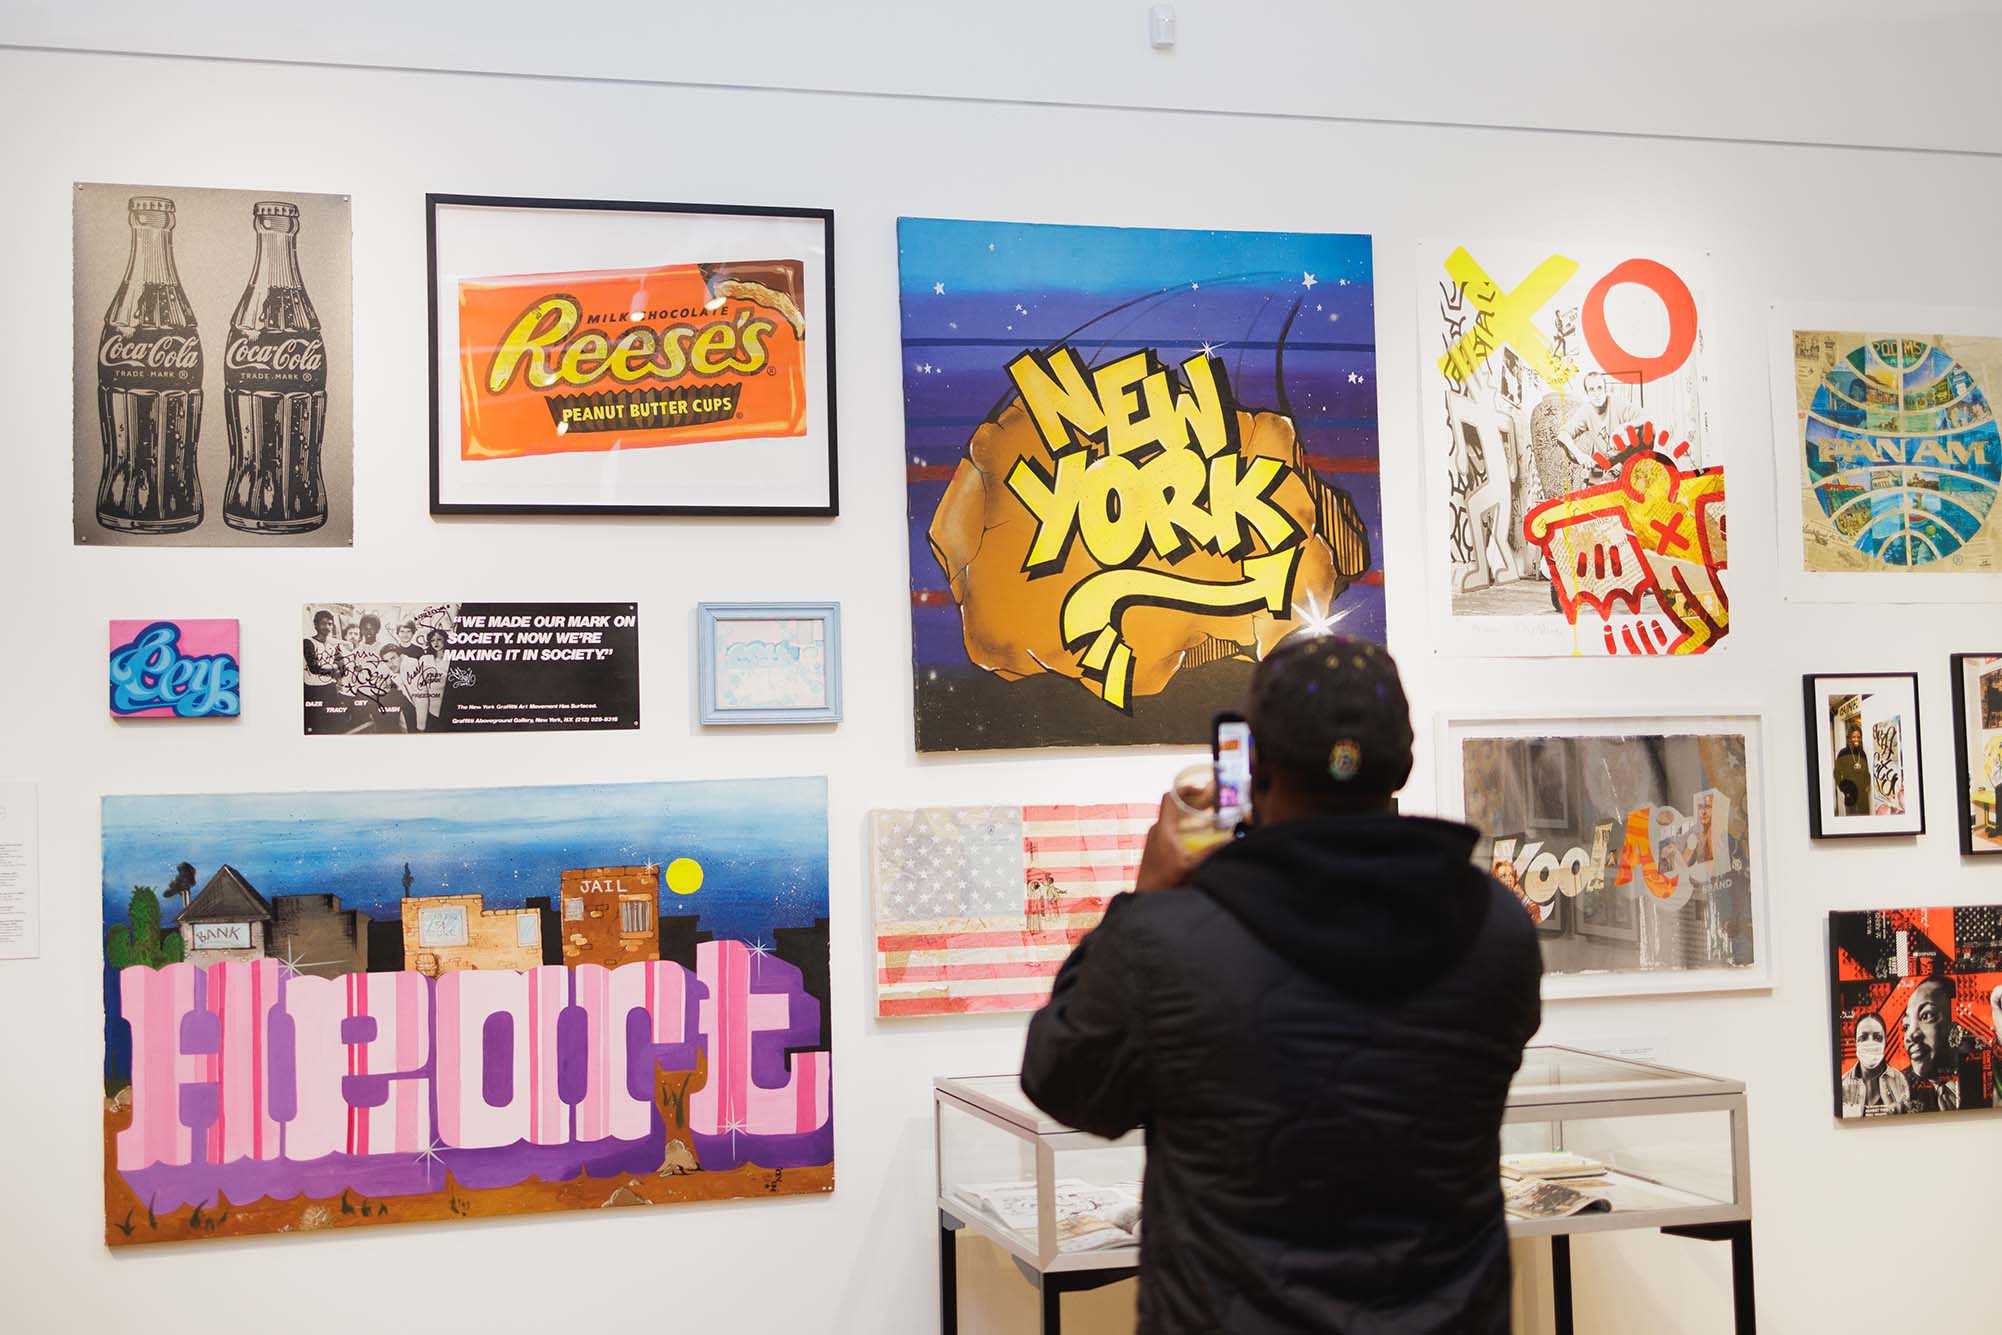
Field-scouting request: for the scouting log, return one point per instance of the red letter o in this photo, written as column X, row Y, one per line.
column 1673, row 293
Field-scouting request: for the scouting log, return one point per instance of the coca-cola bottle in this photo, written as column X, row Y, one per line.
column 149, row 387
column 274, row 381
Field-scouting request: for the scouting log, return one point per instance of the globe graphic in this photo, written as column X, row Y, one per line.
column 1903, row 452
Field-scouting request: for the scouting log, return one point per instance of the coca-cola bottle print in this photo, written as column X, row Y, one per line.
column 274, row 381
column 149, row 386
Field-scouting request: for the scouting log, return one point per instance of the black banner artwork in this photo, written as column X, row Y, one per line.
column 471, row 667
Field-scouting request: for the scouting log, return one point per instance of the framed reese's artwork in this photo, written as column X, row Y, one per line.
column 1977, row 751
column 1863, row 773
column 615, row 357
column 1636, row 845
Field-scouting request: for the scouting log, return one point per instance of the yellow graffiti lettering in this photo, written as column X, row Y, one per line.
column 1239, row 506
column 1053, row 501
column 1112, row 518
column 1176, row 520
column 1055, row 391
column 1509, row 318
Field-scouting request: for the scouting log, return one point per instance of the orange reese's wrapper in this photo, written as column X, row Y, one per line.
column 624, row 359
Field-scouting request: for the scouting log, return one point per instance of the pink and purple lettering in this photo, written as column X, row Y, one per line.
column 250, row 1080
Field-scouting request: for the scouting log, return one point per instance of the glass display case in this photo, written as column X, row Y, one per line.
column 1621, row 1144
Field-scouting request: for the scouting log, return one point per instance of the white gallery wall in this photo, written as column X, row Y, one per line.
column 1779, row 221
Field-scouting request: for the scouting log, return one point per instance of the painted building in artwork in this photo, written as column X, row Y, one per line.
column 228, row 920
column 450, row 933
column 610, row 915
column 318, row 936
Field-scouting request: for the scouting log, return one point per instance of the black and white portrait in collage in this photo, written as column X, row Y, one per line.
column 212, row 368
column 432, row 668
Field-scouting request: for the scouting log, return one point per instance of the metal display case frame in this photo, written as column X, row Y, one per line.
column 1647, row 1090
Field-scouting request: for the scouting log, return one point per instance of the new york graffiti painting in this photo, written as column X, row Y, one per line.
column 1135, row 459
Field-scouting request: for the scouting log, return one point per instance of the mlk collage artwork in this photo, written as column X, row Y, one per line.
column 1136, row 459
column 1915, row 1009
column 337, row 1009
column 1575, row 494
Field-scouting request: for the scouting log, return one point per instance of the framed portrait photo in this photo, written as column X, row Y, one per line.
column 1642, row 867
column 1977, row 751
column 1863, row 770
column 769, row 662
column 626, row 358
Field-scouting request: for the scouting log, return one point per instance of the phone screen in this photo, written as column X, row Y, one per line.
column 1230, row 751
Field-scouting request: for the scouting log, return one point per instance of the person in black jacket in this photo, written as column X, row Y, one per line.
column 1317, row 1024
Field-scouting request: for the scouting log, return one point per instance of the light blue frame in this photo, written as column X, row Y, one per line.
column 706, row 617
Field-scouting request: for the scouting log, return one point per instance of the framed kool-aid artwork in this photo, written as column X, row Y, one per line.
column 1135, row 459
column 1636, row 845
column 619, row 357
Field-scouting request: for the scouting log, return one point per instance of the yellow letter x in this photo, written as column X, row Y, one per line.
column 1509, row 318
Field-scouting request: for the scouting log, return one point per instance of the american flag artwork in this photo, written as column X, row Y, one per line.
column 976, row 907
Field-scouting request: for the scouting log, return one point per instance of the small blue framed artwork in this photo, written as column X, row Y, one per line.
column 769, row 662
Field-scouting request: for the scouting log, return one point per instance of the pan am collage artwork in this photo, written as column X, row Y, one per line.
column 1134, row 460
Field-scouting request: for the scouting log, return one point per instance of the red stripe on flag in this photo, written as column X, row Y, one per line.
column 1000, row 1001
column 1094, row 872
column 1095, row 811
column 1074, row 906
column 938, row 973
column 1075, row 843
column 931, row 598
column 929, row 472
column 962, row 940
column 1340, row 463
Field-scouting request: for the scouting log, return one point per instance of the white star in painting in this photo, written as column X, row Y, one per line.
column 1194, row 286
column 291, row 966
column 938, row 289
column 1210, row 349
column 1308, row 282
column 1354, row 379
column 430, row 1158
column 1344, row 282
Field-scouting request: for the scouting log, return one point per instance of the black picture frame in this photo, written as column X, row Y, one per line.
column 434, row 201
column 1963, row 763
column 1815, row 726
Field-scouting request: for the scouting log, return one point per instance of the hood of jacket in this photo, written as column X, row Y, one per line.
column 1373, row 903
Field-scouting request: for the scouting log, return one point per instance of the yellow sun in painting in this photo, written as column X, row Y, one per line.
column 684, row 876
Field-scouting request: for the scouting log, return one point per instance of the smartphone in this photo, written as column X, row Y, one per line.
column 1230, row 759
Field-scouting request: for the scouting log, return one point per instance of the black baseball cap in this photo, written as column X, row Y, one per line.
column 1329, row 712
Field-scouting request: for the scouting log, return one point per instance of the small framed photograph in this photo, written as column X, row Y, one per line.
column 1863, row 768
column 1977, row 751
column 594, row 357
column 769, row 662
